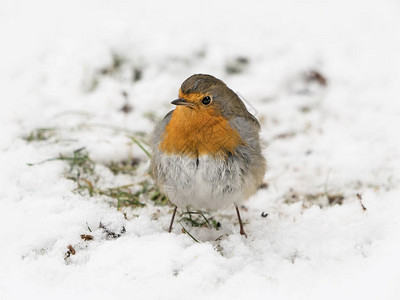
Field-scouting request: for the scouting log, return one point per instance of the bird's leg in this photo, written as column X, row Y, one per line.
column 240, row 222
column 172, row 220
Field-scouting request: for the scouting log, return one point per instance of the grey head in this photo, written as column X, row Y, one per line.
column 222, row 99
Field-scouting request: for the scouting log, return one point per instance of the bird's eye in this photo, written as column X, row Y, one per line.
column 206, row 100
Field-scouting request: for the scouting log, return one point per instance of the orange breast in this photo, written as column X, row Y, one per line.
column 195, row 133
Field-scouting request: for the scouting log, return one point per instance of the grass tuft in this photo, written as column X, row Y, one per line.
column 157, row 197
column 123, row 167
column 198, row 219
column 82, row 171
column 40, row 134
column 124, row 195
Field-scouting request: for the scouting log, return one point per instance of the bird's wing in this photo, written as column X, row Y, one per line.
column 251, row 152
column 248, row 128
column 253, row 120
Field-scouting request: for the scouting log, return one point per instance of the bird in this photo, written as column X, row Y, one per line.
column 206, row 153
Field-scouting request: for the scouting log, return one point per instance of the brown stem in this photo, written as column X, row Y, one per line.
column 172, row 220
column 240, row 222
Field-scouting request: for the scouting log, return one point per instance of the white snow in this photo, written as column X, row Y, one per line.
column 340, row 139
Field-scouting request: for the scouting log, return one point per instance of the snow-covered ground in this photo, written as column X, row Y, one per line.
column 323, row 78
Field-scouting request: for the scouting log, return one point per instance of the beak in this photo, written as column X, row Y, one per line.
column 181, row 101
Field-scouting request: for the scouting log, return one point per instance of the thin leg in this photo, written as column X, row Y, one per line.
column 172, row 220
column 240, row 222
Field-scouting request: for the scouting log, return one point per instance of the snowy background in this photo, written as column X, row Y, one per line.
column 82, row 83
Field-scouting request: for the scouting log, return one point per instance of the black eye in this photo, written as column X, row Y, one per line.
column 206, row 100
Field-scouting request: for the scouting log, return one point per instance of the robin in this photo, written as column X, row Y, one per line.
column 206, row 152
